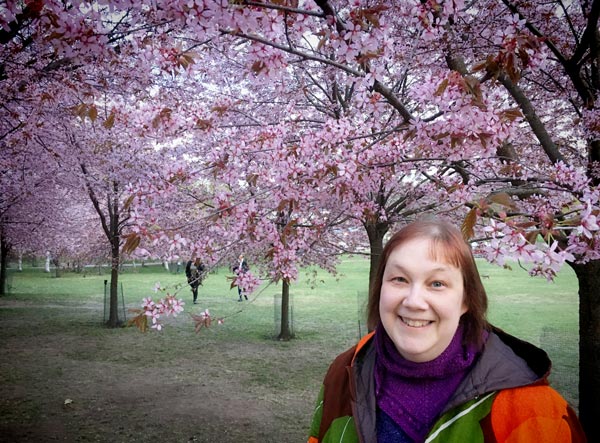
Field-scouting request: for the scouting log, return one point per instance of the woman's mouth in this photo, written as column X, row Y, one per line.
column 415, row 323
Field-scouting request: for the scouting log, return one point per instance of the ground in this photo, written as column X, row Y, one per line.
column 102, row 386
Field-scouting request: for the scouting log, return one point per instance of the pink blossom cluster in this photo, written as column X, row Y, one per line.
column 588, row 226
column 170, row 305
column 8, row 12
column 584, row 241
column 247, row 281
column 265, row 62
column 509, row 243
column 585, row 249
column 571, row 177
column 591, row 120
column 551, row 261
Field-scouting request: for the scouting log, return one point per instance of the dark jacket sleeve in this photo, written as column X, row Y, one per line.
column 337, row 398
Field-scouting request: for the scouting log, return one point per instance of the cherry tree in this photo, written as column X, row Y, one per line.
column 25, row 205
column 471, row 97
column 234, row 204
column 477, row 113
column 82, row 116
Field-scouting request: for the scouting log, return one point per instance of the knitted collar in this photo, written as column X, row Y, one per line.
column 413, row 394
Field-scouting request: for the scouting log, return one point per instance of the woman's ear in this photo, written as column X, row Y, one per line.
column 464, row 309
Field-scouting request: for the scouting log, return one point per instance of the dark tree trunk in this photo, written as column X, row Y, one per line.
column 376, row 233
column 56, row 264
column 115, row 243
column 111, row 226
column 113, row 317
column 284, row 333
column 4, row 250
column 588, row 275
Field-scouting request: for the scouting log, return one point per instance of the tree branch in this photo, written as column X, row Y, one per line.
column 534, row 121
column 95, row 201
column 289, row 50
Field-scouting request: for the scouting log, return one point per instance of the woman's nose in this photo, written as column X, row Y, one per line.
column 415, row 297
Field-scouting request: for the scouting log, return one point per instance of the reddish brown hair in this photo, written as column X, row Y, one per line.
column 449, row 246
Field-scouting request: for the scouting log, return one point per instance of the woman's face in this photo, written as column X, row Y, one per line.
column 421, row 301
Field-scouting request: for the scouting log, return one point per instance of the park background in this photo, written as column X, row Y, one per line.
column 64, row 376
column 297, row 130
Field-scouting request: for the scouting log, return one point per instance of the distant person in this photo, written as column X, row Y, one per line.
column 240, row 268
column 433, row 369
column 194, row 271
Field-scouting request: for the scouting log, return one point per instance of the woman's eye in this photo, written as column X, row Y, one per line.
column 437, row 284
column 399, row 279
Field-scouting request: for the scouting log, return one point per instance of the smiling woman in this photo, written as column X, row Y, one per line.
column 421, row 301
column 434, row 369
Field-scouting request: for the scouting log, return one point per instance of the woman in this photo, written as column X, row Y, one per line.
column 433, row 369
column 194, row 272
column 240, row 269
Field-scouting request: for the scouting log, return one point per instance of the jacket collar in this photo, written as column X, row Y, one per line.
column 505, row 362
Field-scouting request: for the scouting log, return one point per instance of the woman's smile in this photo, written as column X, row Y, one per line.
column 415, row 323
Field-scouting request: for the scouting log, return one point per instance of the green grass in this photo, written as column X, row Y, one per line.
column 52, row 330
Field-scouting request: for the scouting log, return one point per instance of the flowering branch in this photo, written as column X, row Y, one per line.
column 170, row 305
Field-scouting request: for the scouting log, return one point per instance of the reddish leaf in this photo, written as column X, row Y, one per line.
column 140, row 321
column 131, row 243
column 532, row 236
column 110, row 121
column 468, row 224
column 92, row 113
column 503, row 199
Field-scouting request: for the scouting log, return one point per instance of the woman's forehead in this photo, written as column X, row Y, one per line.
column 437, row 251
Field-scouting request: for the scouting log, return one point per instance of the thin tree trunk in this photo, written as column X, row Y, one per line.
column 285, row 333
column 113, row 318
column 56, row 264
column 4, row 250
column 376, row 233
column 588, row 276
column 115, row 243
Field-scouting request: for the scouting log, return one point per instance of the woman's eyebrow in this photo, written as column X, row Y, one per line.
column 399, row 267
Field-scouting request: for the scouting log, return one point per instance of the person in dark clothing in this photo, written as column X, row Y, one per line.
column 194, row 271
column 240, row 268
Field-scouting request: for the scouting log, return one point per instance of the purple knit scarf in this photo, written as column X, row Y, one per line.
column 413, row 394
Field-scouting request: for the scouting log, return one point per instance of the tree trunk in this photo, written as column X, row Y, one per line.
column 285, row 333
column 588, row 276
column 113, row 318
column 4, row 250
column 376, row 233
column 115, row 243
column 56, row 263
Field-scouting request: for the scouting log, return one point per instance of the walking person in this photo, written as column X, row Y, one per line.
column 433, row 369
column 240, row 268
column 194, row 272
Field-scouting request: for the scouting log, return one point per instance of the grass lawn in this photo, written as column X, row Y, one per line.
column 64, row 376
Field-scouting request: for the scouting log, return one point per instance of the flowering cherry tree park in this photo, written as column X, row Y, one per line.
column 293, row 130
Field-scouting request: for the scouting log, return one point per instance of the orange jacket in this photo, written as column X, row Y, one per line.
column 504, row 399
